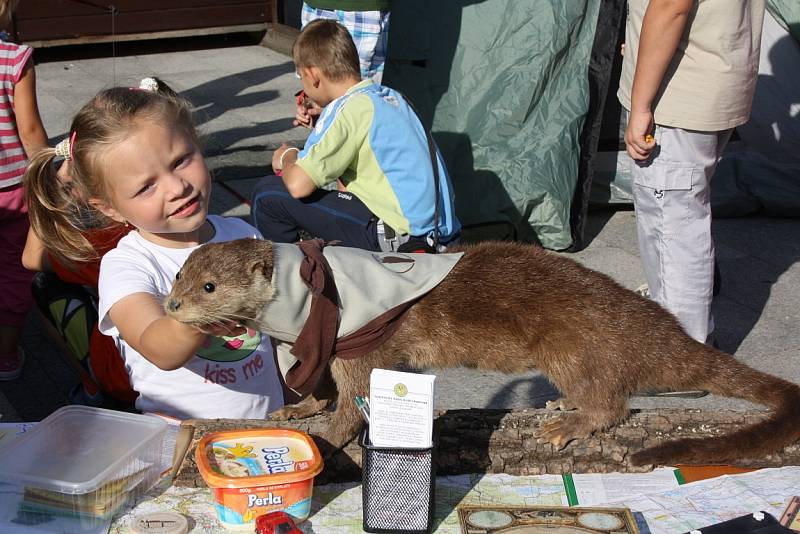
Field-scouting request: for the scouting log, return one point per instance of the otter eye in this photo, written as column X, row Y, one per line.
column 209, row 287
column 178, row 275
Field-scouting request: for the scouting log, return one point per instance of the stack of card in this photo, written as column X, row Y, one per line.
column 401, row 409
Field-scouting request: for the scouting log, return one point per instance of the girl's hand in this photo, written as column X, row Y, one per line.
column 165, row 342
column 227, row 328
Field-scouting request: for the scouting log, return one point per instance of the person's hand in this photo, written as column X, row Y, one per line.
column 307, row 114
column 639, row 142
column 225, row 328
column 276, row 156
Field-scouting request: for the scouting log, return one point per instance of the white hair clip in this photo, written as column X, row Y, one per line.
column 64, row 148
column 149, row 84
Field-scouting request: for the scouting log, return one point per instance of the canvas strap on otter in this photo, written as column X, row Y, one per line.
column 317, row 342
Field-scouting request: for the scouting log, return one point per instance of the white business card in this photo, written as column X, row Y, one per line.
column 401, row 409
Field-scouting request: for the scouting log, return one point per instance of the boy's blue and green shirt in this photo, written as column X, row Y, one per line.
column 374, row 141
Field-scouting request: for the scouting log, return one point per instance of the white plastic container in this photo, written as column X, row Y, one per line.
column 82, row 463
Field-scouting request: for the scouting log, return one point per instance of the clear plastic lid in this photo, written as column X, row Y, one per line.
column 78, row 449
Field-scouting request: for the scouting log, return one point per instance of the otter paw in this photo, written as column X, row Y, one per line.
column 560, row 430
column 292, row 411
column 284, row 414
column 308, row 407
column 563, row 404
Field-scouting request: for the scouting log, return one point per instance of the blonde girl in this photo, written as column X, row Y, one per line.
column 21, row 134
column 135, row 161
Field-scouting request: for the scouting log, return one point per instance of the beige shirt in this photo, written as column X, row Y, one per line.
column 710, row 82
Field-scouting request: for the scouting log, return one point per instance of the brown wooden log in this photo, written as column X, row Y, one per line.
column 501, row 441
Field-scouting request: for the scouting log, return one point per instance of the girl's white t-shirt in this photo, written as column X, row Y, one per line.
column 228, row 378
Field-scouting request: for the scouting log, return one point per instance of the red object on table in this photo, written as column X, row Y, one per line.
column 276, row 523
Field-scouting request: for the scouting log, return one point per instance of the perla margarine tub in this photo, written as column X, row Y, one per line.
column 253, row 472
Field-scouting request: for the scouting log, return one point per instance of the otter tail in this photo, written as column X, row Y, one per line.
column 723, row 375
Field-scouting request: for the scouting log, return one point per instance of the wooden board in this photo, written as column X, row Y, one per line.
column 57, row 20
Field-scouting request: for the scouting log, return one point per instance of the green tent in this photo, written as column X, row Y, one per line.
column 521, row 98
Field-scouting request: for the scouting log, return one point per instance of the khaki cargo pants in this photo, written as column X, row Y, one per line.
column 672, row 198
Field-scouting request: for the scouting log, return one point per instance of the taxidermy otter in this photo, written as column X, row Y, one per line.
column 507, row 307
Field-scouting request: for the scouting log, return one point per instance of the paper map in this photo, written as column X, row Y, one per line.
column 337, row 507
column 715, row 500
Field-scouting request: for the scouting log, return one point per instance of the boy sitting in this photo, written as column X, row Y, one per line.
column 367, row 137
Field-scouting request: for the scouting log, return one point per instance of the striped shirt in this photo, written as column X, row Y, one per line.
column 13, row 161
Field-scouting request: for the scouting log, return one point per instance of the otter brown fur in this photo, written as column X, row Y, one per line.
column 512, row 307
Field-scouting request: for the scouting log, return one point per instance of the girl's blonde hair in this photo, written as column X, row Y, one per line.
column 7, row 7
column 57, row 209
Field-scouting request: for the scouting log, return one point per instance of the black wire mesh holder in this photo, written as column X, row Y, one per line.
column 398, row 487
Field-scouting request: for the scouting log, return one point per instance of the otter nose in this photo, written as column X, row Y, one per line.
column 173, row 305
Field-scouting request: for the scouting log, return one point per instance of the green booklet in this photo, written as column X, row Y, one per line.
column 593, row 489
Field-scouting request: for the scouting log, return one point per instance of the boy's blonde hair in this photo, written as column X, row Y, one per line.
column 328, row 46
column 56, row 208
column 7, row 7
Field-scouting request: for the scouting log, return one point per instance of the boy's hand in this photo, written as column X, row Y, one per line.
column 276, row 157
column 307, row 114
column 639, row 142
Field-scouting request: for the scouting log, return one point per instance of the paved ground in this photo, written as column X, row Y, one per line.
column 244, row 97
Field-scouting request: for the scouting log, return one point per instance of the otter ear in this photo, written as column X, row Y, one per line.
column 263, row 267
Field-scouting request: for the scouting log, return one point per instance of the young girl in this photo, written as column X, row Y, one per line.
column 21, row 134
column 136, row 162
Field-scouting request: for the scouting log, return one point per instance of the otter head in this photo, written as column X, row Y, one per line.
column 222, row 282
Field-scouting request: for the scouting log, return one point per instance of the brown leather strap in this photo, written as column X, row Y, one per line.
column 373, row 334
column 317, row 343
column 314, row 345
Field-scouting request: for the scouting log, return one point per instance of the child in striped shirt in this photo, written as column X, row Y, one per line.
column 21, row 134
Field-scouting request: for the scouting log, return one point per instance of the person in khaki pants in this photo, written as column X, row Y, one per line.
column 688, row 77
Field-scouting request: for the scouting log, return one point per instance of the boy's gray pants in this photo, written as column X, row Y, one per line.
column 672, row 198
